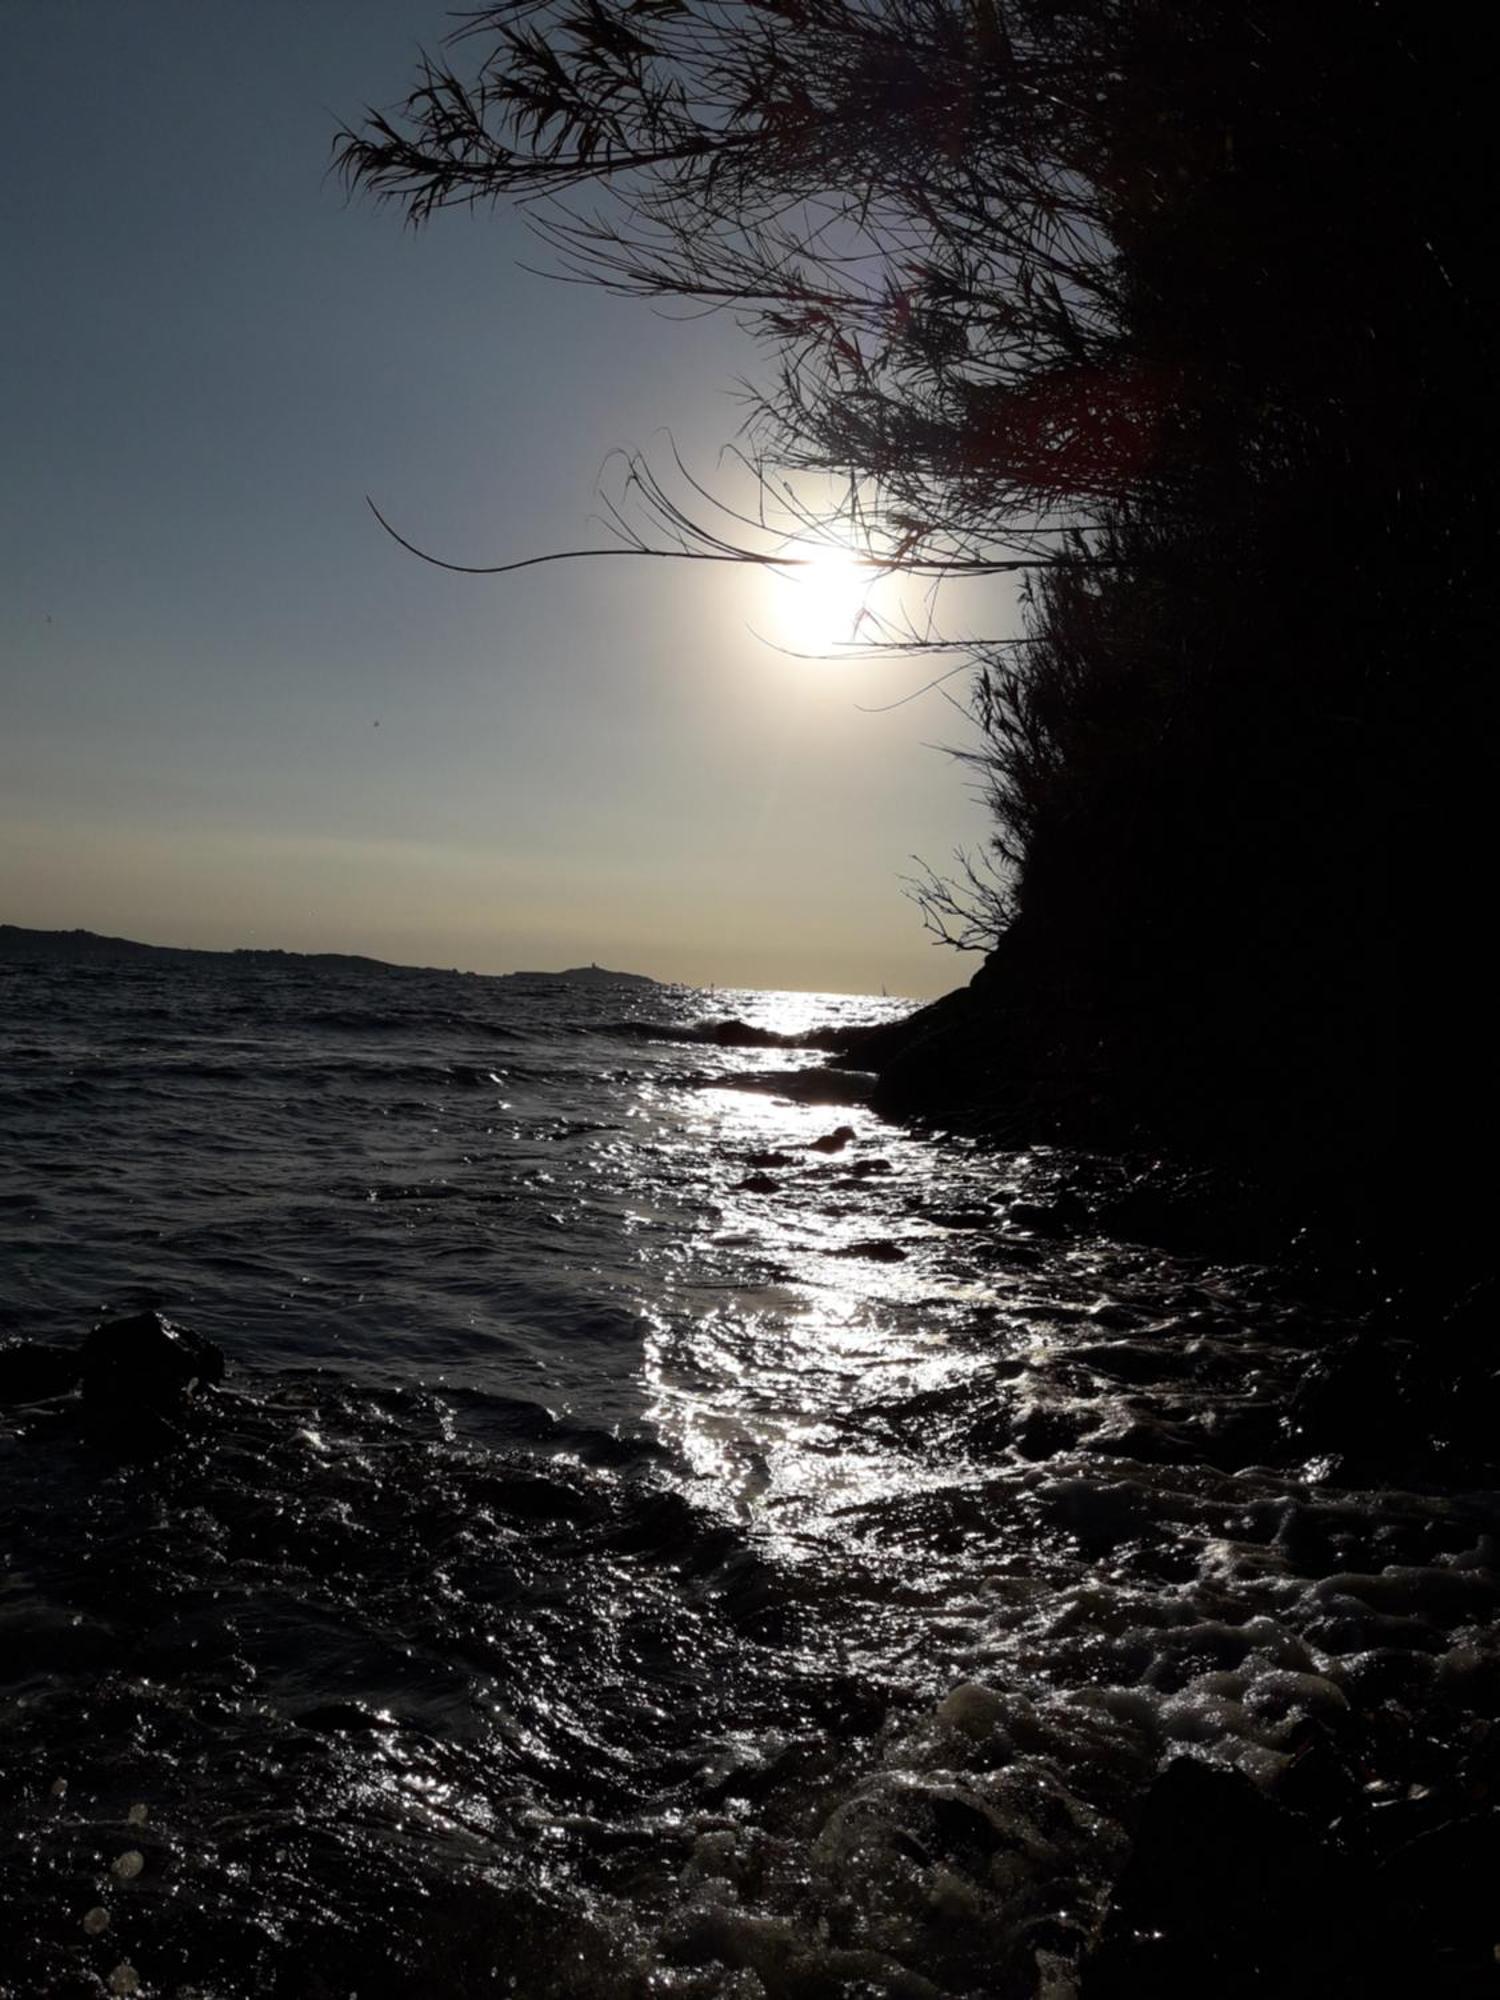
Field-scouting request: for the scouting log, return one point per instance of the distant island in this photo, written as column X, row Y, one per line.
column 89, row 948
column 581, row 975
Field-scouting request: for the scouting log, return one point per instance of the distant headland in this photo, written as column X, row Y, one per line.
column 89, row 948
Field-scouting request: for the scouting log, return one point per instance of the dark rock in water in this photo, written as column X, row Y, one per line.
column 145, row 1363
column 1058, row 1217
column 1443, row 1883
column 32, row 1373
column 1353, row 1399
column 1226, row 1894
column 1407, row 1397
column 1321, row 1781
column 832, row 1142
column 342, row 1718
column 1041, row 1431
column 819, row 1085
column 733, row 1034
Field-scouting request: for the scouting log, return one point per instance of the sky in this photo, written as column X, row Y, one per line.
column 234, row 712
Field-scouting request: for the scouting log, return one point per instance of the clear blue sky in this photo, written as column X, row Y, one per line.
column 234, row 712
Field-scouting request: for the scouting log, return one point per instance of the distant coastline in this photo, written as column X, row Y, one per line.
column 79, row 947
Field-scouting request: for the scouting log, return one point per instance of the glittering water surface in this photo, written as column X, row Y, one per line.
column 638, row 1549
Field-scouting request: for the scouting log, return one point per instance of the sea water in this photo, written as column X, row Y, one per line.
column 663, row 1531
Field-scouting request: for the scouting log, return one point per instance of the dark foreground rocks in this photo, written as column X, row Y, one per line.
column 1327, row 1890
column 132, row 1383
column 33, row 1373
column 147, row 1362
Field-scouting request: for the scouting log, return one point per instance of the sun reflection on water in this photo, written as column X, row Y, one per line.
column 815, row 1299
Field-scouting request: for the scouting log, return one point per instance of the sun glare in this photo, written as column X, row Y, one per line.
column 822, row 602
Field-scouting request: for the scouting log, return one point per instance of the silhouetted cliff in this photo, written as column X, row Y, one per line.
column 1243, row 766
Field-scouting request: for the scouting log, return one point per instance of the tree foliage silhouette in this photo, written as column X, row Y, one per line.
column 1178, row 312
column 900, row 201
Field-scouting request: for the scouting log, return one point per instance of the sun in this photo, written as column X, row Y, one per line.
column 823, row 600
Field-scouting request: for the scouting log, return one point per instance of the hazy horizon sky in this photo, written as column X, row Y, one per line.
column 236, row 713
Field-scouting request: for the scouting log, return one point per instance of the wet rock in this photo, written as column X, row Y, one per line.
column 1443, row 1883
column 145, row 1364
column 1188, row 1209
column 972, row 1709
column 342, row 1718
column 732, row 1034
column 1058, row 1217
column 805, row 1086
column 1042, row 1430
column 832, row 1142
column 1226, row 1894
column 1421, row 1395
column 1321, row 1780
column 1354, row 1400
column 31, row 1372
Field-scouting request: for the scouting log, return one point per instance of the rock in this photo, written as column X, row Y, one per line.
column 1052, row 1218
column 1226, row 1894
column 145, row 1364
column 31, row 1372
column 972, row 1709
column 733, row 1034
column 1042, row 1430
column 805, row 1086
column 1319, row 1780
column 1443, row 1883
column 1354, row 1399
column 832, row 1142
column 342, row 1718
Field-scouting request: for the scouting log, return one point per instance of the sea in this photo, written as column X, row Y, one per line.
column 663, row 1530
